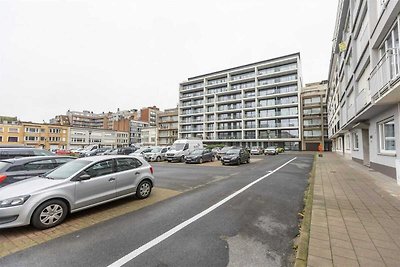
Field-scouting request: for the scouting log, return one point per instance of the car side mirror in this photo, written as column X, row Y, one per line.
column 84, row 177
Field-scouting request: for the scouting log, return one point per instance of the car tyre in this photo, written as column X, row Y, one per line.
column 49, row 214
column 143, row 190
column 158, row 159
column 200, row 160
column 212, row 158
column 248, row 161
column 183, row 159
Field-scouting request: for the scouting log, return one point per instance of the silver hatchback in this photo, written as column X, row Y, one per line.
column 44, row 201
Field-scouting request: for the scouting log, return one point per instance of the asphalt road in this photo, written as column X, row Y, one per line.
column 254, row 228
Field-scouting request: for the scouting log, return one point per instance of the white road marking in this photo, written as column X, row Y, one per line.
column 179, row 227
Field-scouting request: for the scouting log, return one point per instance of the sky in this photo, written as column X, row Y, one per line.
column 102, row 55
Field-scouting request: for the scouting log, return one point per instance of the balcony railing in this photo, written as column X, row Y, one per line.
column 385, row 72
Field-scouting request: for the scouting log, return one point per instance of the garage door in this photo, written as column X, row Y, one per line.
column 312, row 146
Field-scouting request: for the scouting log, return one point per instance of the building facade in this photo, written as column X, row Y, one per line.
column 149, row 115
column 80, row 137
column 251, row 105
column 364, row 87
column 43, row 135
column 149, row 136
column 168, row 127
column 315, row 117
column 135, row 131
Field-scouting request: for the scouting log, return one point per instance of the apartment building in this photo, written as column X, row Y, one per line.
column 168, row 127
column 251, row 105
column 43, row 135
column 120, row 119
column 84, row 119
column 364, row 85
column 149, row 136
column 11, row 133
column 149, row 115
column 315, row 117
column 135, row 131
column 80, row 137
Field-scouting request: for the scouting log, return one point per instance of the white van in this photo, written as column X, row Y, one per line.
column 181, row 148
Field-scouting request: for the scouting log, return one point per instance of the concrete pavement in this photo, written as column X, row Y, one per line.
column 355, row 216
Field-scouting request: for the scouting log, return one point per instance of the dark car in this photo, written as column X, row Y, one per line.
column 20, row 152
column 126, row 150
column 236, row 156
column 17, row 169
column 200, row 156
column 222, row 152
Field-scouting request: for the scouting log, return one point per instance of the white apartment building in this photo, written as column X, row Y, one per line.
column 136, row 131
column 149, row 136
column 250, row 105
column 364, row 87
column 81, row 137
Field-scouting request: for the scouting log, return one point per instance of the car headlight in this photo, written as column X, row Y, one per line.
column 15, row 201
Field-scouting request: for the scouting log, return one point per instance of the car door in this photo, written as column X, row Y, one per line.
column 127, row 173
column 99, row 187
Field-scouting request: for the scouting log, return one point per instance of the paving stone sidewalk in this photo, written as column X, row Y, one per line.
column 355, row 216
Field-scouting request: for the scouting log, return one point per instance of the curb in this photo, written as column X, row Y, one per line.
column 302, row 244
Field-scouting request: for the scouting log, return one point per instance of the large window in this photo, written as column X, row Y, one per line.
column 355, row 141
column 387, row 139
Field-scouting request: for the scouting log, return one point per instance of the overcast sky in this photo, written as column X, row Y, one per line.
column 103, row 55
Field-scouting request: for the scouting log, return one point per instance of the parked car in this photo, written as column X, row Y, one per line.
column 126, row 150
column 17, row 169
column 20, row 152
column 156, row 154
column 44, row 201
column 223, row 151
column 181, row 148
column 236, row 156
column 271, row 150
column 256, row 151
column 280, row 149
column 140, row 152
column 95, row 152
column 200, row 156
column 215, row 150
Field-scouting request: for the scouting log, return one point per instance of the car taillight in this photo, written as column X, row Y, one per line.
column 151, row 170
column 2, row 178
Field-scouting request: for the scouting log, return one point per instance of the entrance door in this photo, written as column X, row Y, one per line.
column 365, row 140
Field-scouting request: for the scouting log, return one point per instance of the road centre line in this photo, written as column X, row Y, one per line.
column 182, row 225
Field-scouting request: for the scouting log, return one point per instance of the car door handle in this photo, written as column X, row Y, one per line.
column 137, row 173
column 112, row 179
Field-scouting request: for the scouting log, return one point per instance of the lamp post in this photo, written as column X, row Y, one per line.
column 90, row 133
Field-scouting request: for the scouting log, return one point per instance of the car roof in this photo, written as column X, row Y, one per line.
column 33, row 158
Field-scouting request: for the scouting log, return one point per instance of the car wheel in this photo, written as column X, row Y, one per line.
column 248, row 160
column 183, row 159
column 49, row 214
column 158, row 159
column 143, row 190
column 238, row 162
column 200, row 160
column 212, row 158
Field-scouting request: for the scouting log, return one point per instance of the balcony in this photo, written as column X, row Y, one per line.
column 385, row 73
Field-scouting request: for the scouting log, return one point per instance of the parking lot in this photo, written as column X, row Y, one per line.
column 181, row 190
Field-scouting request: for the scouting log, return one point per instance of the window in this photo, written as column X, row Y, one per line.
column 100, row 168
column 347, row 142
column 1, row 138
column 12, row 139
column 387, row 140
column 355, row 141
column 127, row 164
column 13, row 130
column 40, row 165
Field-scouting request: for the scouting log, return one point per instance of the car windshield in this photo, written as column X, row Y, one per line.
column 177, row 146
column 197, row 152
column 4, row 164
column 225, row 149
column 66, row 170
column 156, row 150
column 233, row 152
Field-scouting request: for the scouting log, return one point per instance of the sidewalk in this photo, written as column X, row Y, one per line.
column 355, row 216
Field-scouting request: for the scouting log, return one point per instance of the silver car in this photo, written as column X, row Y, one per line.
column 44, row 201
column 156, row 154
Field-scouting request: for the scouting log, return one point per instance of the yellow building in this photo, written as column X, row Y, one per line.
column 44, row 135
column 11, row 134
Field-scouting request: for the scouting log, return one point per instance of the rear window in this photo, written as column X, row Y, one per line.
column 127, row 164
column 4, row 165
column 42, row 152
